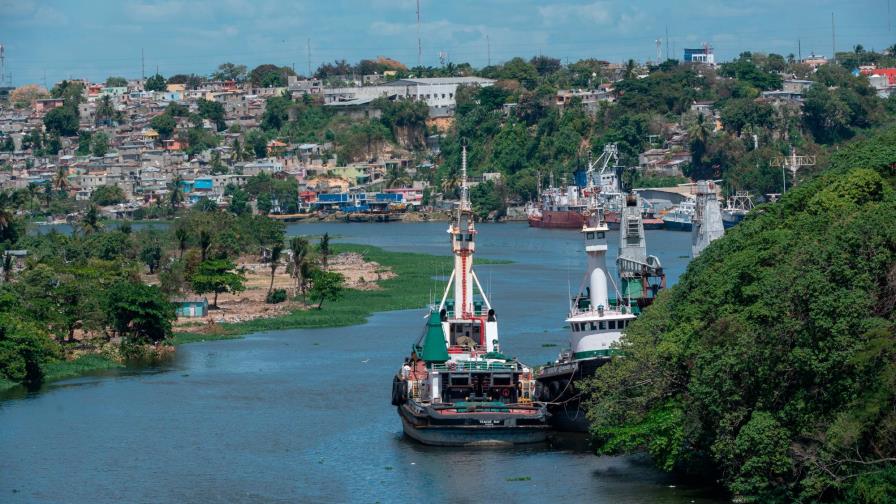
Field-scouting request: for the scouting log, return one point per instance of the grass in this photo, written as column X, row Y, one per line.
column 520, row 478
column 410, row 288
column 86, row 363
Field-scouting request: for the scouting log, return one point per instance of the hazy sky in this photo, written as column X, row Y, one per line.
column 97, row 38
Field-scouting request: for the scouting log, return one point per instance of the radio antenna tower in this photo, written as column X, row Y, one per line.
column 419, row 42
column 793, row 163
column 3, row 65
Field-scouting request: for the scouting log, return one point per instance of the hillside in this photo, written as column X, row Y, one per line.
column 771, row 366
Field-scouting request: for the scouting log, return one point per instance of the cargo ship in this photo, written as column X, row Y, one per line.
column 564, row 208
column 456, row 388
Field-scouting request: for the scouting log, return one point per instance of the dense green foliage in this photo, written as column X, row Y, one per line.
column 772, row 364
column 155, row 83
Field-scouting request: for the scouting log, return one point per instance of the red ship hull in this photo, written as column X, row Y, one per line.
column 558, row 220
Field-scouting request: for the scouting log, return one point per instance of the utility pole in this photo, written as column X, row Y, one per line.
column 667, row 41
column 489, row 44
column 419, row 42
column 799, row 50
column 309, row 57
column 833, row 39
column 142, row 66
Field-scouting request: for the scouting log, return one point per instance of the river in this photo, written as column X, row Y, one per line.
column 304, row 415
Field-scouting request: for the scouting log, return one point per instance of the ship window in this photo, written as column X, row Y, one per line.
column 612, row 324
column 589, row 236
column 602, row 325
column 459, row 237
column 502, row 380
column 593, row 326
column 600, row 235
column 460, row 381
column 469, row 237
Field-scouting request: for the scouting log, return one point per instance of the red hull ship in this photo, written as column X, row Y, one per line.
column 557, row 219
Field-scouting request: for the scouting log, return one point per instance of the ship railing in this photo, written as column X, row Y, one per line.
column 474, row 366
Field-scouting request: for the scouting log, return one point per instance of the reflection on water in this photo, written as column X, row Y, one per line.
column 304, row 415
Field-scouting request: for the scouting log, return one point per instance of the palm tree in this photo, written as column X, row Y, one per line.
column 397, row 177
column 48, row 193
column 60, row 180
column 91, row 221
column 630, row 67
column 324, row 248
column 182, row 236
column 7, row 267
column 300, row 249
column 32, row 192
column 276, row 252
column 177, row 196
column 699, row 134
column 205, row 241
column 6, row 215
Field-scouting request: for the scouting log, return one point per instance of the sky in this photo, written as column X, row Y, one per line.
column 46, row 41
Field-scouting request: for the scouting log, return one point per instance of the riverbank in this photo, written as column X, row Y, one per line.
column 408, row 280
column 410, row 286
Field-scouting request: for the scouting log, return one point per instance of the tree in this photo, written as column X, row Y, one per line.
column 301, row 250
column 106, row 195
column 276, row 252
column 116, row 82
column 90, row 223
column 269, row 75
column 8, row 144
column 99, row 144
column 217, row 276
column 60, row 179
column 105, row 111
column 62, row 120
column 139, row 312
column 175, row 193
column 164, row 124
column 155, row 83
column 84, row 142
column 323, row 249
column 25, row 350
column 213, row 111
column 72, row 93
column 182, row 236
column 25, row 96
column 151, row 255
column 229, row 71
column 326, row 285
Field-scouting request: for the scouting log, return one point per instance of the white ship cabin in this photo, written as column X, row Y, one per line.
column 593, row 332
column 470, row 335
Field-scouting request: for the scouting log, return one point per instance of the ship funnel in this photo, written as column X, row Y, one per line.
column 598, row 288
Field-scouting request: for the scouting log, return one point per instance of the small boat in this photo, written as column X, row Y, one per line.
column 681, row 217
column 457, row 388
column 738, row 206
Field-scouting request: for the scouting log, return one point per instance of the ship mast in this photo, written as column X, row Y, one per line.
column 463, row 232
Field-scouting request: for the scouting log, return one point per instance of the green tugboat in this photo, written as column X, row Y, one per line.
column 457, row 388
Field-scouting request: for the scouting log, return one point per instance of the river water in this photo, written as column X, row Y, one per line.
column 304, row 415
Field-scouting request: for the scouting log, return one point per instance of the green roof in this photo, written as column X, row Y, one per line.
column 434, row 348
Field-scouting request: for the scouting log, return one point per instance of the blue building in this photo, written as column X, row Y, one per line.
column 191, row 307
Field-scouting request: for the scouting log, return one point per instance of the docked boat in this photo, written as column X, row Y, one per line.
column 737, row 207
column 595, row 323
column 564, row 208
column 681, row 218
column 708, row 225
column 457, row 388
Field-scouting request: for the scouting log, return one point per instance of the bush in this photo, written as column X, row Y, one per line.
column 276, row 296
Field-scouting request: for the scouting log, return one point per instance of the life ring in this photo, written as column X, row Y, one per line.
column 452, row 366
column 505, row 392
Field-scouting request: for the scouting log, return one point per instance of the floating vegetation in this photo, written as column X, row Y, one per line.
column 520, row 478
